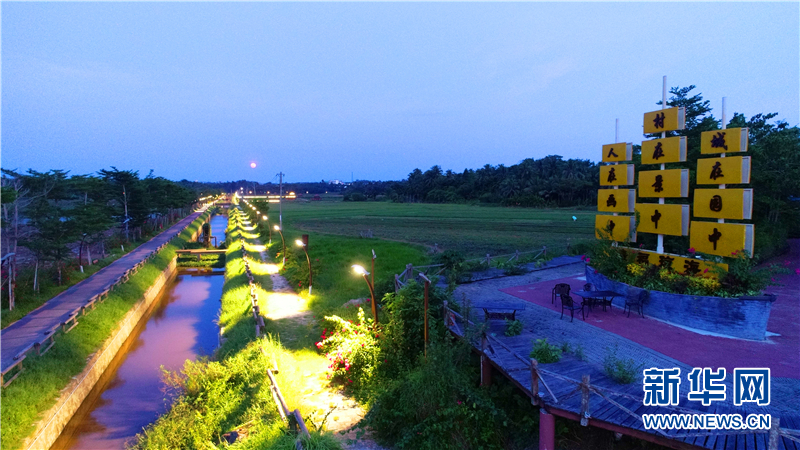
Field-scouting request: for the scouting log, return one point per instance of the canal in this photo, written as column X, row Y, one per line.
column 219, row 223
column 129, row 395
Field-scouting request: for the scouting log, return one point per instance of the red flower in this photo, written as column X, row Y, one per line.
column 691, row 250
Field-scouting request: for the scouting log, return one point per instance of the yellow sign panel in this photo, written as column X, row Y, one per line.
column 721, row 239
column 730, row 170
column 724, row 141
column 616, row 175
column 664, row 183
column 723, row 203
column 620, row 228
column 616, row 200
column 669, row 119
column 667, row 150
column 672, row 220
column 619, row 152
column 686, row 266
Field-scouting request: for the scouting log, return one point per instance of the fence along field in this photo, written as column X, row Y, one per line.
column 473, row 230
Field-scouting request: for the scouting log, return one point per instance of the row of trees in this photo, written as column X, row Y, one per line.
column 48, row 212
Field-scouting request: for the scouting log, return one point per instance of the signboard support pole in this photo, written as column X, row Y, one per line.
column 660, row 245
column 724, row 126
column 616, row 139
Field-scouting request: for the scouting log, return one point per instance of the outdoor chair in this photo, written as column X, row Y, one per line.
column 560, row 288
column 568, row 303
column 635, row 301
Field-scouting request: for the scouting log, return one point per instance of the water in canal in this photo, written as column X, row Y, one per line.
column 129, row 395
column 219, row 224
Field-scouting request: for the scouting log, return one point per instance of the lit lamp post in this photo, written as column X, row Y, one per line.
column 283, row 243
column 305, row 249
column 363, row 272
column 269, row 228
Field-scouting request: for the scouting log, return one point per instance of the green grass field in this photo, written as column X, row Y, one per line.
column 473, row 230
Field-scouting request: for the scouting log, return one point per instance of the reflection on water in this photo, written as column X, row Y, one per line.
column 219, row 224
column 129, row 395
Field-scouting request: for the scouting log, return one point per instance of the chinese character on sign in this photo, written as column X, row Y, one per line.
column 612, row 176
column 611, row 202
column 692, row 267
column 751, row 385
column 611, row 226
column 716, row 171
column 665, row 261
column 714, row 237
column 611, row 153
column 655, row 218
column 658, row 121
column 661, row 386
column 715, row 204
column 718, row 141
column 643, row 258
column 712, row 387
column 658, row 185
column 658, row 152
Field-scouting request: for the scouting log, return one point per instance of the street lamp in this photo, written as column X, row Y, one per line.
column 305, row 249
column 269, row 228
column 363, row 272
column 283, row 243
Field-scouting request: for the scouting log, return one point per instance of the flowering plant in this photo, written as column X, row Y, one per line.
column 352, row 349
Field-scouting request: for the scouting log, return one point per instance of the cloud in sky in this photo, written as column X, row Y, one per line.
column 320, row 90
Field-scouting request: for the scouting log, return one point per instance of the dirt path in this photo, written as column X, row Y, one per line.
column 320, row 401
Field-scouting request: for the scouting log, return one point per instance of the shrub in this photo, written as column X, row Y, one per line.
column 437, row 406
column 352, row 349
column 545, row 353
column 513, row 328
column 403, row 333
column 621, row 370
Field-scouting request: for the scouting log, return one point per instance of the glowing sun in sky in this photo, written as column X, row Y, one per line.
column 253, row 165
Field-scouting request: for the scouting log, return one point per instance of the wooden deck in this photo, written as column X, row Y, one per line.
column 563, row 391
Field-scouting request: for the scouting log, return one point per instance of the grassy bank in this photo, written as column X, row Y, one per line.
column 36, row 390
column 27, row 299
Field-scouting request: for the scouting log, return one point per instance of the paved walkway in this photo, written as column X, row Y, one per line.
column 35, row 327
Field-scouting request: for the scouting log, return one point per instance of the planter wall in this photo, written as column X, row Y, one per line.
column 743, row 317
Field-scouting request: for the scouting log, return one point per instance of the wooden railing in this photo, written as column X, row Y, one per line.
column 47, row 341
column 411, row 271
column 585, row 387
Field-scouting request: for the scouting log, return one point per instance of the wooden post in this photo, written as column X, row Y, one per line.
column 774, row 428
column 585, row 400
column 444, row 313
column 488, row 260
column 547, row 430
column 534, row 382
column 486, row 366
column 409, row 272
column 427, row 286
column 544, row 251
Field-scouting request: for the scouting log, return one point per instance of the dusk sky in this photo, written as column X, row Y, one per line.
column 323, row 90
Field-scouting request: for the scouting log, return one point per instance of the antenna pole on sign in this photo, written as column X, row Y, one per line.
column 660, row 245
column 616, row 139
column 724, row 126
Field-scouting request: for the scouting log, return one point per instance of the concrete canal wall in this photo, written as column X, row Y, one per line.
column 56, row 418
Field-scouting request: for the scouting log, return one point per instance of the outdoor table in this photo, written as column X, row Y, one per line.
column 607, row 296
column 500, row 310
